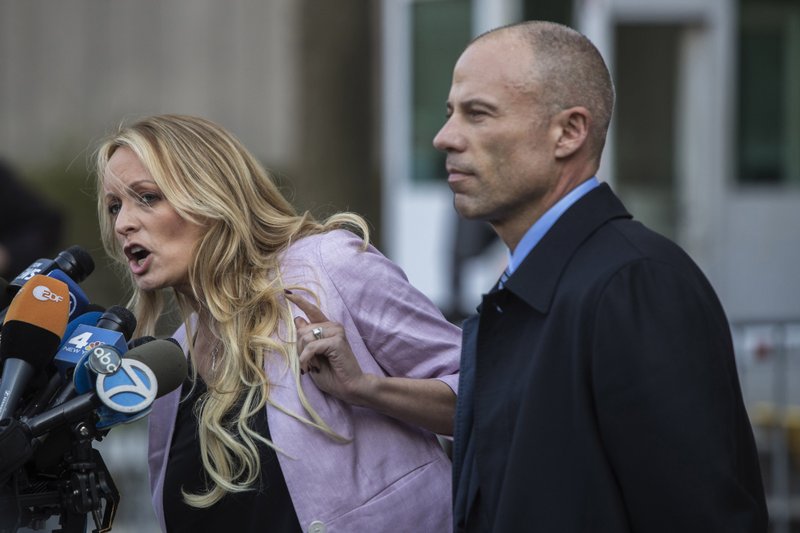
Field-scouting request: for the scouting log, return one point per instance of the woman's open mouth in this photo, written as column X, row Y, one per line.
column 138, row 258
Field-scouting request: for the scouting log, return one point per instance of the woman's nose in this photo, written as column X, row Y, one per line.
column 125, row 221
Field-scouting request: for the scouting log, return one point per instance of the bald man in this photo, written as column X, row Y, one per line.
column 598, row 384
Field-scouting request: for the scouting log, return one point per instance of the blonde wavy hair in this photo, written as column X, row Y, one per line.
column 211, row 179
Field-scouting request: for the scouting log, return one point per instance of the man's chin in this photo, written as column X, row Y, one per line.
column 466, row 208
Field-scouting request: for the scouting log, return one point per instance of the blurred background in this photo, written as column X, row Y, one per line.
column 341, row 99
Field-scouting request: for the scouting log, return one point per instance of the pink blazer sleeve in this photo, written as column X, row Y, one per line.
column 402, row 329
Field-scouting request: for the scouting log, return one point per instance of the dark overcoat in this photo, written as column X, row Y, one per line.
column 599, row 392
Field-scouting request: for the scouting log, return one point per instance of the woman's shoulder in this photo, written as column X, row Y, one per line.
column 330, row 246
column 334, row 262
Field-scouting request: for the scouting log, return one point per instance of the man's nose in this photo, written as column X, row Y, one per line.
column 448, row 139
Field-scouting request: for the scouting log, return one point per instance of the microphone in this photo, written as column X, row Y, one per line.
column 138, row 341
column 113, row 328
column 173, row 369
column 78, row 301
column 146, row 372
column 78, row 305
column 124, row 406
column 31, row 333
column 109, row 329
column 75, row 262
column 91, row 314
column 163, row 360
column 64, row 367
column 65, row 360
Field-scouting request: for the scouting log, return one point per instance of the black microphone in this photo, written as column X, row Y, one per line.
column 138, row 341
column 163, row 358
column 75, row 262
column 31, row 333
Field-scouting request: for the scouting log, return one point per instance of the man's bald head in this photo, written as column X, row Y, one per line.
column 567, row 71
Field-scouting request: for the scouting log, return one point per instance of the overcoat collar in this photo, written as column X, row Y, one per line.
column 536, row 278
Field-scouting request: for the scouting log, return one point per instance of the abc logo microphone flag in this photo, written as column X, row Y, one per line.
column 132, row 388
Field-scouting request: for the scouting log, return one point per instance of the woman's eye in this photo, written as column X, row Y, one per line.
column 148, row 198
column 113, row 209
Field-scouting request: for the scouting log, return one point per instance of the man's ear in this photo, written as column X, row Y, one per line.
column 574, row 123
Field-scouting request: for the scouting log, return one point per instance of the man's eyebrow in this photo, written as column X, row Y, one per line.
column 471, row 103
column 478, row 102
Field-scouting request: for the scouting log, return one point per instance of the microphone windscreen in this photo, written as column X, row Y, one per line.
column 119, row 319
column 36, row 321
column 42, row 301
column 166, row 360
column 76, row 262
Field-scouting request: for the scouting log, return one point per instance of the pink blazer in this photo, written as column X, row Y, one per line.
column 391, row 476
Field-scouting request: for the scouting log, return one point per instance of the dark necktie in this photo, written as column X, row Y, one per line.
column 503, row 278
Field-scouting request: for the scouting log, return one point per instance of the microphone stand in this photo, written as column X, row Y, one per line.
column 81, row 484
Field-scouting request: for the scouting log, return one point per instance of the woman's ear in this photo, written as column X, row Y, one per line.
column 574, row 124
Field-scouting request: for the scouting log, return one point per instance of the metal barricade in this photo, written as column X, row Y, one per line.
column 768, row 361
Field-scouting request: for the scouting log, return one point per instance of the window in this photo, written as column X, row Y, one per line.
column 441, row 30
column 554, row 10
column 769, row 93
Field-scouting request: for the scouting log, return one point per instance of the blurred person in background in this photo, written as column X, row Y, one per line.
column 598, row 387
column 30, row 228
column 472, row 239
column 319, row 376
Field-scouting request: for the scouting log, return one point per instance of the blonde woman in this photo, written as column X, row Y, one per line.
column 320, row 376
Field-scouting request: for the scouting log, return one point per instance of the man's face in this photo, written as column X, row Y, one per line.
column 498, row 138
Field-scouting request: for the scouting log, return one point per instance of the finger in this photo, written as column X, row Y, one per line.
column 313, row 356
column 313, row 312
column 300, row 322
column 314, row 365
column 310, row 351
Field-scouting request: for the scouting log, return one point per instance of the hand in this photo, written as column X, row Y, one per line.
column 329, row 358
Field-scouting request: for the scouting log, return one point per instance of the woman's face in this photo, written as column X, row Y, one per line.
column 158, row 243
